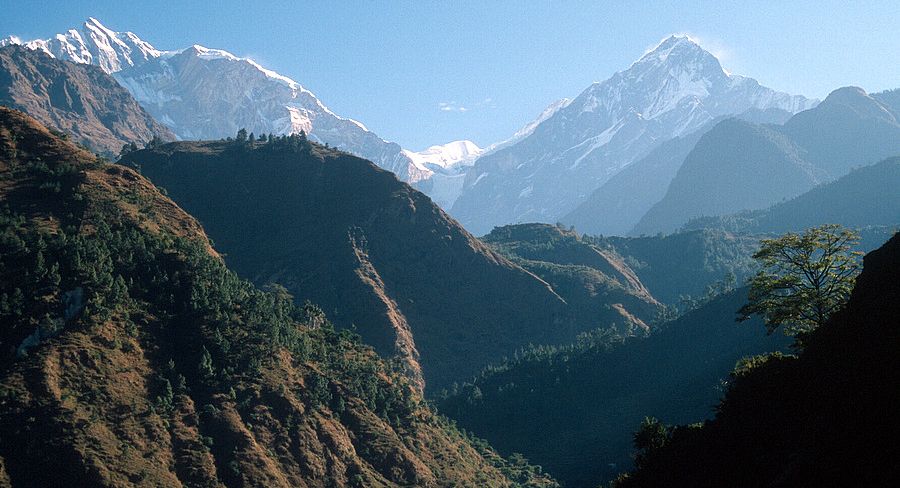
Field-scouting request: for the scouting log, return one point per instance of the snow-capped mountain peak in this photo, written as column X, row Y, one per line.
column 445, row 157
column 677, row 44
column 93, row 43
column 10, row 40
column 670, row 91
column 445, row 166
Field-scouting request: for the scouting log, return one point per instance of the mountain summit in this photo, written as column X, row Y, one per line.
column 93, row 43
column 670, row 91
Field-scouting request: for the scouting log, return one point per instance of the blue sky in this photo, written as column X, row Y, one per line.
column 428, row 72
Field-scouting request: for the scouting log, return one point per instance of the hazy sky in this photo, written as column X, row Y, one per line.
column 428, row 72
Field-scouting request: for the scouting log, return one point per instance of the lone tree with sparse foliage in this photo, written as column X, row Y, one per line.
column 804, row 279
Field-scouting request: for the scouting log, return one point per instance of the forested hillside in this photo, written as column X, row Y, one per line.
column 376, row 254
column 572, row 410
column 131, row 356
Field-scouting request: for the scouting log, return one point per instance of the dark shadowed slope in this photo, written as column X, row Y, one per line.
column 824, row 418
column 374, row 252
column 735, row 166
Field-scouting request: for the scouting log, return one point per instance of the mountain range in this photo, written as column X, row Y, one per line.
column 541, row 173
column 671, row 91
column 745, row 166
column 865, row 197
column 615, row 207
column 281, row 298
column 202, row 93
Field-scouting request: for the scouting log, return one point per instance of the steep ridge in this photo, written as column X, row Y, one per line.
column 202, row 93
column 817, row 419
column 76, row 99
column 865, row 197
column 595, row 281
column 734, row 166
column 666, row 269
column 573, row 409
column 617, row 206
column 671, row 91
column 131, row 356
column 847, row 130
column 303, row 216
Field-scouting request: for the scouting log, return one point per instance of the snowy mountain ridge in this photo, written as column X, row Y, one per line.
column 94, row 44
column 229, row 93
column 445, row 157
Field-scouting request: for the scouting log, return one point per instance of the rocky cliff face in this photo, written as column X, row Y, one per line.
column 77, row 99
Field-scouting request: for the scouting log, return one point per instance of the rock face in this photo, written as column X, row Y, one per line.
column 171, row 371
column 371, row 250
column 202, row 93
column 77, row 99
column 671, row 91
column 742, row 166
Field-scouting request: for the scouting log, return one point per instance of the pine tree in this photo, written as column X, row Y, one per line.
column 205, row 368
